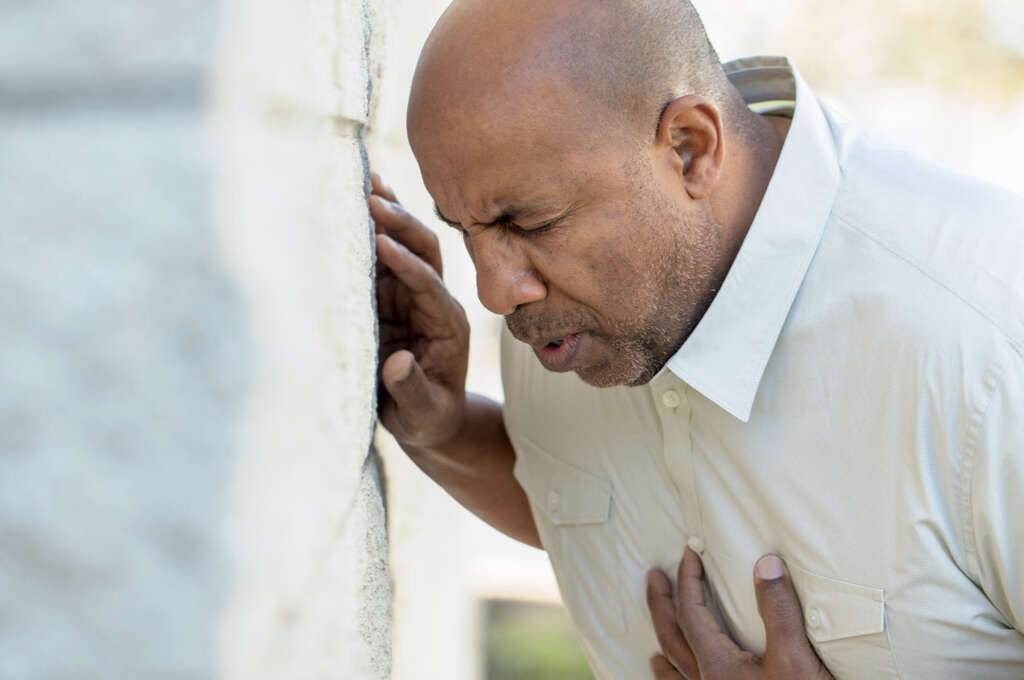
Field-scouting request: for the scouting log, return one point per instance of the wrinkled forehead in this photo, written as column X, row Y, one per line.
column 499, row 147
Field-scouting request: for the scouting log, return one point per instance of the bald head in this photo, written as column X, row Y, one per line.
column 619, row 60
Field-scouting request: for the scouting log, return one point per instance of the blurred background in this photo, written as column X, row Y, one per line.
column 943, row 78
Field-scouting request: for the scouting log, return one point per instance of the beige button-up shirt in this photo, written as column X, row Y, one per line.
column 853, row 400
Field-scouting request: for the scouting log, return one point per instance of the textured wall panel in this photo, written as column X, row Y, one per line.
column 312, row 594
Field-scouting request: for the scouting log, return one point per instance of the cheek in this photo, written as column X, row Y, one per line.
column 605, row 274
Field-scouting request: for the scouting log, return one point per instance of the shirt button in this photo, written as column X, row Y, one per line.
column 813, row 618
column 553, row 501
column 696, row 544
column 670, row 398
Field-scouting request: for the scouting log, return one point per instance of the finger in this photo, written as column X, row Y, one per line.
column 709, row 644
column 387, row 302
column 664, row 670
column 666, row 628
column 394, row 299
column 392, row 219
column 780, row 610
column 405, row 382
column 381, row 189
column 420, row 278
column 394, row 331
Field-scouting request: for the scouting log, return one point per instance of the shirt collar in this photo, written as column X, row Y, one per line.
column 725, row 356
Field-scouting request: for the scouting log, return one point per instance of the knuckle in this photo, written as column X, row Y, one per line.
column 787, row 619
column 780, row 601
column 436, row 282
column 714, row 665
column 664, row 641
column 404, row 215
column 687, row 667
column 687, row 618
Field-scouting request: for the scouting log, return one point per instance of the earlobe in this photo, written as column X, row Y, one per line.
column 692, row 128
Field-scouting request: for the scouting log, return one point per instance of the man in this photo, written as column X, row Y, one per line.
column 735, row 324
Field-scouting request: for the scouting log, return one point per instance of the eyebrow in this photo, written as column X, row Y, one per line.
column 512, row 215
column 440, row 216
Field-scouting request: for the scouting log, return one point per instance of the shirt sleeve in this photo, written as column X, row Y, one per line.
column 994, row 478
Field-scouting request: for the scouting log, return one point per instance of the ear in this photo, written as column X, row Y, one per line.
column 690, row 133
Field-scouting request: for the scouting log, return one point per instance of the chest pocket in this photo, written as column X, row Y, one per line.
column 846, row 624
column 844, row 621
column 574, row 512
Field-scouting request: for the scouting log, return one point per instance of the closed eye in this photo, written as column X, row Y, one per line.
column 507, row 223
column 532, row 232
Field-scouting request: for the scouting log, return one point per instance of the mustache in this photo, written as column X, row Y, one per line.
column 529, row 326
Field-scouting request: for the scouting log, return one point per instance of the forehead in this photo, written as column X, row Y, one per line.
column 512, row 183
column 493, row 153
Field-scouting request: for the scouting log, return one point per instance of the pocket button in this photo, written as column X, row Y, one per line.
column 814, row 618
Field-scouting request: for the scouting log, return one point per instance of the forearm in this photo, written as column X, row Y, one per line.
column 475, row 468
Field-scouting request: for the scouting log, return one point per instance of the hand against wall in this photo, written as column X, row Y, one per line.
column 424, row 334
column 694, row 646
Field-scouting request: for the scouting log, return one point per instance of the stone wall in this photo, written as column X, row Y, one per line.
column 295, row 99
column 188, row 356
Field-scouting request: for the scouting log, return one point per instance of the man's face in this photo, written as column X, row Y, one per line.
column 583, row 241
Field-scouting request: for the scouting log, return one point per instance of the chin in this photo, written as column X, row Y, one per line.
column 605, row 375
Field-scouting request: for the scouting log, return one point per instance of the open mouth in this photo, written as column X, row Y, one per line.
column 558, row 355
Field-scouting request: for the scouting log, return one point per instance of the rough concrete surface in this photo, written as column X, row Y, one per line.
column 311, row 597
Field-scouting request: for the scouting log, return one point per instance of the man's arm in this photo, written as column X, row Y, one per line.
column 458, row 440
column 476, row 469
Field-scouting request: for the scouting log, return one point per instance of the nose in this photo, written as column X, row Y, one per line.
column 505, row 275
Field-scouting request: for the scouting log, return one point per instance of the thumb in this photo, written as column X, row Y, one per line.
column 405, row 381
column 779, row 607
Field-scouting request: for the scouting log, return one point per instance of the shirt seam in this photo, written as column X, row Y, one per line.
column 992, row 376
column 892, row 646
column 1015, row 343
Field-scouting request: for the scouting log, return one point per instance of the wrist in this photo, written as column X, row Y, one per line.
column 449, row 441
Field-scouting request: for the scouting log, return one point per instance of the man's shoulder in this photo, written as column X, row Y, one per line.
column 949, row 239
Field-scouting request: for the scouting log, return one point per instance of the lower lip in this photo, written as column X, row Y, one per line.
column 560, row 359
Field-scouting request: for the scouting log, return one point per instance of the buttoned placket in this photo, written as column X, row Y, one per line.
column 672, row 400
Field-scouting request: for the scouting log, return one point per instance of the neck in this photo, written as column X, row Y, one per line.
column 751, row 158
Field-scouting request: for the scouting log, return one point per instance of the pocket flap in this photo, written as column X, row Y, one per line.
column 566, row 494
column 835, row 609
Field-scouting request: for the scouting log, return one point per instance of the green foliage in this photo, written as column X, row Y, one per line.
column 532, row 642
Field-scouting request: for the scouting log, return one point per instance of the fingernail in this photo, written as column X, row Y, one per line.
column 770, row 568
